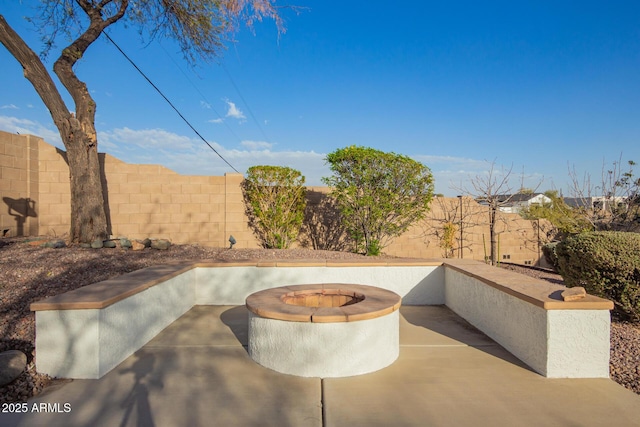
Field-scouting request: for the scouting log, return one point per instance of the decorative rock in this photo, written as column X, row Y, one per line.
column 12, row 364
column 85, row 245
column 109, row 244
column 97, row 244
column 55, row 244
column 574, row 294
column 147, row 243
column 137, row 246
column 161, row 244
column 125, row 243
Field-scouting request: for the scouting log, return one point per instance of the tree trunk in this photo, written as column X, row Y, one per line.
column 492, row 234
column 88, row 217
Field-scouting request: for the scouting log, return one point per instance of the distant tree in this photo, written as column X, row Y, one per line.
column 198, row 26
column 565, row 219
column 275, row 204
column 378, row 194
column 449, row 221
column 612, row 204
column 526, row 190
column 494, row 190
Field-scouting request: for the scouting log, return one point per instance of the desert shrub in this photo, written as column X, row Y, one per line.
column 379, row 195
column 275, row 201
column 606, row 264
column 549, row 252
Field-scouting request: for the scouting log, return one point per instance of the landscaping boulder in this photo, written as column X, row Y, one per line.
column 97, row 244
column 125, row 243
column 12, row 365
column 109, row 244
column 161, row 244
column 137, row 246
column 55, row 244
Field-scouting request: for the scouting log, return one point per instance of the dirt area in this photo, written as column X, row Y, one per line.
column 29, row 273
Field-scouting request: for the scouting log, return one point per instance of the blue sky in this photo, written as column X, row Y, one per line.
column 534, row 85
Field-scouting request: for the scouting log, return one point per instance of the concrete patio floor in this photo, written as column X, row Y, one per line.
column 197, row 373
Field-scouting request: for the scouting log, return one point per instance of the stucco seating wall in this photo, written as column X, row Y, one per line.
column 87, row 332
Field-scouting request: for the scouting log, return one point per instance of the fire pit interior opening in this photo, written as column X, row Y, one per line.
column 322, row 298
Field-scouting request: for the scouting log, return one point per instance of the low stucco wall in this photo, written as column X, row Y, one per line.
column 417, row 285
column 555, row 343
column 86, row 332
column 88, row 343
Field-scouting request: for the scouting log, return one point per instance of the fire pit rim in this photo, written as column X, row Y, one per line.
column 377, row 302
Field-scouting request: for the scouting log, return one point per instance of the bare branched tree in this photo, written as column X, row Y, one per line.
column 493, row 189
column 449, row 221
column 612, row 204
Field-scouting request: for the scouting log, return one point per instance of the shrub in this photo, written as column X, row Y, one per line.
column 274, row 202
column 549, row 252
column 606, row 264
column 379, row 194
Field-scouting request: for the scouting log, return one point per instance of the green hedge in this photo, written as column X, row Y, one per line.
column 549, row 252
column 606, row 264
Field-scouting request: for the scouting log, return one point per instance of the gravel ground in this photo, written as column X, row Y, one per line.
column 30, row 273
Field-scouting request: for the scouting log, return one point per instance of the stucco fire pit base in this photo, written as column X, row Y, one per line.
column 327, row 331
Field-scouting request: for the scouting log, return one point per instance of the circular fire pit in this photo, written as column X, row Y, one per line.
column 325, row 330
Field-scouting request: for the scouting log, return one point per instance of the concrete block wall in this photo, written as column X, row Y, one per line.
column 518, row 238
column 54, row 197
column 143, row 200
column 153, row 201
column 19, row 185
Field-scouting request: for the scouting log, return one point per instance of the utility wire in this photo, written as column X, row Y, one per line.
column 201, row 94
column 245, row 103
column 168, row 102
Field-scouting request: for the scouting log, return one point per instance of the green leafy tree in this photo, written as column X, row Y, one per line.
column 564, row 219
column 378, row 194
column 275, row 202
column 198, row 26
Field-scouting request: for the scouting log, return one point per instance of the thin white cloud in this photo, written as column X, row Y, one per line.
column 29, row 127
column 233, row 111
column 9, row 107
column 205, row 105
column 256, row 145
column 218, row 120
column 190, row 156
column 453, row 175
column 152, row 139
